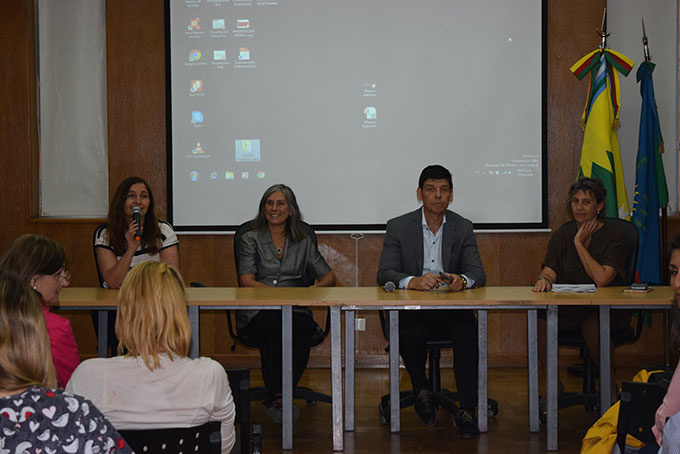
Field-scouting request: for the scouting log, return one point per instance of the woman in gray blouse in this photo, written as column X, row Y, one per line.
column 279, row 250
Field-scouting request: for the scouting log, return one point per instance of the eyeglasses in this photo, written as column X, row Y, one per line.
column 62, row 275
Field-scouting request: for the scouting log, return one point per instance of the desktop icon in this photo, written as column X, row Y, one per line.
column 242, row 23
column 243, row 53
column 219, row 55
column 244, row 175
column 260, row 174
column 193, row 175
column 194, row 24
column 213, row 176
column 218, row 24
column 196, row 86
column 197, row 116
column 370, row 112
column 228, row 175
column 194, row 55
column 198, row 149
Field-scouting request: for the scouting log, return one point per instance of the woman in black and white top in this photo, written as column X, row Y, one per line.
column 118, row 249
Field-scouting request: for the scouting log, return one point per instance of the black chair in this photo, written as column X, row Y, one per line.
column 589, row 396
column 260, row 393
column 639, row 402
column 204, row 439
column 112, row 339
column 442, row 397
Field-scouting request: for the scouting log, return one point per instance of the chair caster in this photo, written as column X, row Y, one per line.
column 492, row 409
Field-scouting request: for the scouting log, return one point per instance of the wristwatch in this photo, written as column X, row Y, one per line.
column 465, row 282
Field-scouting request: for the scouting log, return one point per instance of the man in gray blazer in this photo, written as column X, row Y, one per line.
column 428, row 249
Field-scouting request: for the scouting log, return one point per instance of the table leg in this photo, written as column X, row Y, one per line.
column 103, row 329
column 336, row 378
column 394, row 370
column 551, row 376
column 482, row 369
column 532, row 360
column 605, row 360
column 194, row 322
column 287, row 375
column 349, row 370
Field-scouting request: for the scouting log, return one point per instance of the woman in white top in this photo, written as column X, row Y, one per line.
column 153, row 384
column 118, row 246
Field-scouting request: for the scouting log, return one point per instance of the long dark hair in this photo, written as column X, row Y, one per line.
column 294, row 226
column 117, row 224
column 675, row 246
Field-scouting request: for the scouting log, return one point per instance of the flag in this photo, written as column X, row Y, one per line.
column 600, row 154
column 651, row 192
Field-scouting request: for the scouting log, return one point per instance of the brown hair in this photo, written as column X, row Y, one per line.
column 294, row 224
column 117, row 224
column 29, row 255
column 591, row 186
column 152, row 314
column 675, row 246
column 25, row 357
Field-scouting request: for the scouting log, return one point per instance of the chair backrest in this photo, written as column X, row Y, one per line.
column 96, row 234
column 639, row 402
column 205, row 438
column 630, row 233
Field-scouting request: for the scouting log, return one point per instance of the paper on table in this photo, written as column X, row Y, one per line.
column 574, row 288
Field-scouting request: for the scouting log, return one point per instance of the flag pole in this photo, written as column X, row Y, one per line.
column 664, row 237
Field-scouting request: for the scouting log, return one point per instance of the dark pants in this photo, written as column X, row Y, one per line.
column 265, row 331
column 458, row 325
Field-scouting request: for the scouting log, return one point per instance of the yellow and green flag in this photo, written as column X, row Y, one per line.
column 600, row 154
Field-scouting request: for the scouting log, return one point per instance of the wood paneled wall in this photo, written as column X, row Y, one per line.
column 137, row 146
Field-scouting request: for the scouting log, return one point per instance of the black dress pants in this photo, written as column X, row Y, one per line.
column 415, row 326
column 265, row 330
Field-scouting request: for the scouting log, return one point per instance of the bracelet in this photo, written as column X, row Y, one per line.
column 545, row 279
column 465, row 282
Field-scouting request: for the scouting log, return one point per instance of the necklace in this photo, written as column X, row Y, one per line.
column 279, row 251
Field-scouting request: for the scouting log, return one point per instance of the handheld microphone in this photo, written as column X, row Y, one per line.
column 137, row 216
column 389, row 287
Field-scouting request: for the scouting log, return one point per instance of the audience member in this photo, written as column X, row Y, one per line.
column 36, row 417
column 40, row 262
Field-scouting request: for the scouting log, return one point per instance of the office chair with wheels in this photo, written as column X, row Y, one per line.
column 204, row 439
column 299, row 392
column 442, row 397
column 589, row 396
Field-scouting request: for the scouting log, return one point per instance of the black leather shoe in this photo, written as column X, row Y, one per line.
column 425, row 408
column 467, row 424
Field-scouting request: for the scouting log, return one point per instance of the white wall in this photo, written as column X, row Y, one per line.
column 661, row 24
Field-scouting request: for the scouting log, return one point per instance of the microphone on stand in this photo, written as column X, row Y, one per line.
column 389, row 287
column 137, row 216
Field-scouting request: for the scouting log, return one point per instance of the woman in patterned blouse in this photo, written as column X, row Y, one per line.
column 35, row 417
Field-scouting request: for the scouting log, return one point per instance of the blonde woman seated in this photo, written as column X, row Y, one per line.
column 35, row 417
column 155, row 385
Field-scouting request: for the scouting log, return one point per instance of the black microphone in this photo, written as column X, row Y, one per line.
column 389, row 287
column 137, row 216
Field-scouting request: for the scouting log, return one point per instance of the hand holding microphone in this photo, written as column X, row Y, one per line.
column 137, row 217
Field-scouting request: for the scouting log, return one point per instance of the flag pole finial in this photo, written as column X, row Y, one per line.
column 645, row 43
column 603, row 30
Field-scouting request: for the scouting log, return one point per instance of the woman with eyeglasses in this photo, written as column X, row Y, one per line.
column 40, row 262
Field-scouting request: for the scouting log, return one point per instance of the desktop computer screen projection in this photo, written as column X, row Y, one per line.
column 346, row 102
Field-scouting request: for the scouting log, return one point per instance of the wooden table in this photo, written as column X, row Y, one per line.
column 351, row 299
